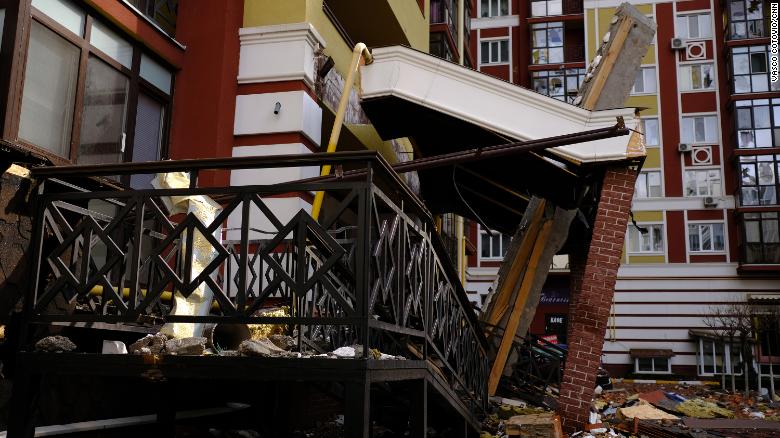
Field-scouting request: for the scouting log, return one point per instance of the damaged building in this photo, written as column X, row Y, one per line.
column 264, row 215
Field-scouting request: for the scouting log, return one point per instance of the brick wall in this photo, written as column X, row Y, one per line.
column 593, row 274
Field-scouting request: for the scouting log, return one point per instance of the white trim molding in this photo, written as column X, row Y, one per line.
column 284, row 52
column 495, row 22
column 491, row 103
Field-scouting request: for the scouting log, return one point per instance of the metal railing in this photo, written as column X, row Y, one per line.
column 371, row 272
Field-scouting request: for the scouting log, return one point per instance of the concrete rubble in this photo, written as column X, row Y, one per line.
column 55, row 344
column 149, row 344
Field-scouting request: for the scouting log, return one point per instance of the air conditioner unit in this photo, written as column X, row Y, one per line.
column 684, row 147
column 678, row 44
column 710, row 202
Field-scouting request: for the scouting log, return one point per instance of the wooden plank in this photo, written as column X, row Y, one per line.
column 517, row 256
column 606, row 64
column 517, row 309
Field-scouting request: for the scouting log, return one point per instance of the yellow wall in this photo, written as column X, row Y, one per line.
column 653, row 159
column 649, row 216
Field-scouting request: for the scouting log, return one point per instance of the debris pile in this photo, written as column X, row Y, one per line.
column 55, row 344
column 515, row 418
column 680, row 411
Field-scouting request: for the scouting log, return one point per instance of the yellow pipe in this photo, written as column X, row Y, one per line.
column 360, row 53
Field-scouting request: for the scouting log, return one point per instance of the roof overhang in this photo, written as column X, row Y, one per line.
column 491, row 104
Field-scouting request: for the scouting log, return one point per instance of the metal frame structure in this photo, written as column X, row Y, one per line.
column 371, row 272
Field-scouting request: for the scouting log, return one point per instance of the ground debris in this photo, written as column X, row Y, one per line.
column 149, row 344
column 194, row 346
column 260, row 347
column 55, row 344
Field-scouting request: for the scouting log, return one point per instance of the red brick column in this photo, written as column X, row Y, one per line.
column 593, row 284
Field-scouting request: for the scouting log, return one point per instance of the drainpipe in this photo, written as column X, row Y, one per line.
column 359, row 54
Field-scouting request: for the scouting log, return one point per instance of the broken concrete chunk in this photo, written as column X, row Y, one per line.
column 186, row 346
column 282, row 341
column 262, row 348
column 345, row 352
column 55, row 344
column 149, row 344
column 114, row 347
column 645, row 412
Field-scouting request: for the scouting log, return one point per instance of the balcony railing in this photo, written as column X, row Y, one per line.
column 370, row 272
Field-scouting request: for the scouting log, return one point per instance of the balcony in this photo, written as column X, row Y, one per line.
column 760, row 242
column 162, row 13
column 381, row 22
column 747, row 19
column 370, row 272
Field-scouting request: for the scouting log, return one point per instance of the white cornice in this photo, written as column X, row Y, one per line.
column 278, row 33
column 674, row 204
column 495, row 22
column 489, row 102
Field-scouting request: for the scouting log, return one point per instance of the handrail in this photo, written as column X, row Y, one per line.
column 196, row 164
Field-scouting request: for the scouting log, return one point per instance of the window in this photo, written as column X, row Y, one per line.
column 703, row 182
column 758, row 123
column 761, row 238
column 699, row 129
column 706, row 238
column 2, row 24
column 118, row 115
column 559, row 84
column 547, row 41
column 650, row 130
column 718, row 358
column 645, row 81
column 696, row 77
column 750, row 72
column 758, row 179
column 746, row 19
column 652, row 365
column 649, row 241
column 694, row 26
column 648, row 184
column 494, row 8
column 162, row 12
column 495, row 246
column 439, row 46
column 543, row 8
column 494, row 52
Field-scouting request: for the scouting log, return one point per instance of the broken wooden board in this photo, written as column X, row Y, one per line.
column 547, row 425
column 612, row 72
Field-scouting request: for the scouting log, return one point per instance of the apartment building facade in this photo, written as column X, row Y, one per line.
column 705, row 235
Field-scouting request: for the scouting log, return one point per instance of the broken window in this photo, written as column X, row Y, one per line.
column 648, row 184
column 649, row 240
column 750, row 72
column 694, row 26
column 547, row 43
column 559, row 84
column 706, row 237
column 758, row 123
column 703, row 182
column 758, row 177
column 645, row 81
column 697, row 77
column 699, row 129
column 746, row 19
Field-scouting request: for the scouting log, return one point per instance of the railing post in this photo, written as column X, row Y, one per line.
column 363, row 257
column 135, row 255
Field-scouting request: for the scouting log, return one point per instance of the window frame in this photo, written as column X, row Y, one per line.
column 654, row 371
column 547, row 26
column 705, row 141
column 746, row 161
column 497, row 42
column 730, row 34
column 483, row 233
column 685, row 74
column 752, row 105
column 651, row 227
column 643, row 120
column 762, row 243
column 700, row 225
column 750, row 75
column 136, row 84
column 687, row 34
column 643, row 70
column 726, row 367
column 645, row 174
column 577, row 74
column 702, row 169
column 490, row 13
column 546, row 8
